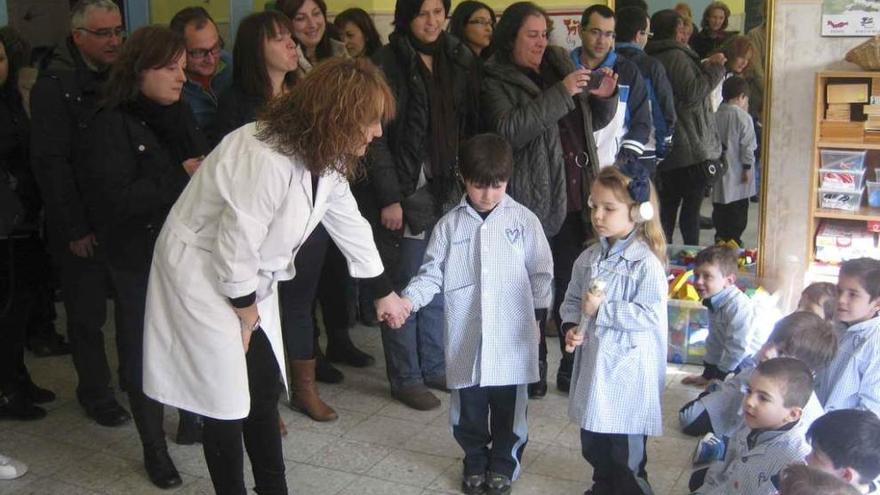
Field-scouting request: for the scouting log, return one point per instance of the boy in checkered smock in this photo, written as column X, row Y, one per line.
column 772, row 436
column 852, row 380
column 490, row 258
column 619, row 333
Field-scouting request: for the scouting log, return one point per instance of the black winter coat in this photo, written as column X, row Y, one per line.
column 132, row 182
column 235, row 108
column 395, row 160
column 64, row 101
column 15, row 152
column 696, row 136
column 528, row 118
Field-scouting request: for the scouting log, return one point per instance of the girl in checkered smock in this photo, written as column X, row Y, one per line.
column 614, row 314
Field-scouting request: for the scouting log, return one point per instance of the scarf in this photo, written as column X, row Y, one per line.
column 167, row 122
column 443, row 123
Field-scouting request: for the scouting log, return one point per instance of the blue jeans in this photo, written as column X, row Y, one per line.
column 415, row 351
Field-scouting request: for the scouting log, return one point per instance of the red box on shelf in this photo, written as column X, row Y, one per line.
column 873, row 225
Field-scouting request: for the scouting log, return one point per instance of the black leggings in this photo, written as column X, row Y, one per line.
column 262, row 438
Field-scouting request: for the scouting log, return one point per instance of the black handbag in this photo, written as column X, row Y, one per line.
column 713, row 170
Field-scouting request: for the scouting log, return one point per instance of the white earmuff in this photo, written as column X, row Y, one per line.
column 642, row 212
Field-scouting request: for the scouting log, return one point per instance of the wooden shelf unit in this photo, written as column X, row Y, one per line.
column 860, row 142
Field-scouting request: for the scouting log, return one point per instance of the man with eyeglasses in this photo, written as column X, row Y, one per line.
column 63, row 103
column 624, row 139
column 208, row 66
column 633, row 31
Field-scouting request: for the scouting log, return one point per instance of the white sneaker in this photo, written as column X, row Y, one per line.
column 10, row 468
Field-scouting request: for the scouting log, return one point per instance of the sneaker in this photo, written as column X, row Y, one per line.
column 11, row 469
column 474, row 484
column 709, row 449
column 497, row 484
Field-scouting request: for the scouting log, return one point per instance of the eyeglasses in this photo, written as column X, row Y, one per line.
column 482, row 22
column 649, row 34
column 106, row 33
column 200, row 53
column 602, row 34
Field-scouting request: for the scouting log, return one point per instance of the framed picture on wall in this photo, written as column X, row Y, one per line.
column 850, row 17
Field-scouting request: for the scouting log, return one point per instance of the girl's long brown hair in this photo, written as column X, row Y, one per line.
column 651, row 231
column 323, row 118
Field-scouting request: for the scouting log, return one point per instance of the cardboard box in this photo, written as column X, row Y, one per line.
column 841, row 130
column 838, row 112
column 847, row 93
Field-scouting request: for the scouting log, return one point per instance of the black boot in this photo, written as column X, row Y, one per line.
column 343, row 350
column 563, row 376
column 324, row 371
column 189, row 428
column 160, row 468
column 538, row 389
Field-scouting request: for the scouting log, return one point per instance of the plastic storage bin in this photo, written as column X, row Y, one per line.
column 874, row 194
column 842, row 180
column 688, row 329
column 840, row 200
column 843, row 159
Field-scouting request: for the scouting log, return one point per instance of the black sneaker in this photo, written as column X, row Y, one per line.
column 474, row 484
column 497, row 484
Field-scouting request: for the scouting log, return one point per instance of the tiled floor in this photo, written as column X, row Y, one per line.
column 376, row 447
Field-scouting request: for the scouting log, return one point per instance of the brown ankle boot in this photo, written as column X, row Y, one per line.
column 305, row 393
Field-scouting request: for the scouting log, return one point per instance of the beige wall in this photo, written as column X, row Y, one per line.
column 798, row 53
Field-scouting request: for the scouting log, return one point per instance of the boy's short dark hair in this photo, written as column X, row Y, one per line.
column 623, row 4
column 867, row 271
column 486, row 160
column 799, row 479
column 849, row 438
column 724, row 257
column 189, row 15
column 824, row 295
column 665, row 23
column 734, row 87
column 793, row 376
column 602, row 10
column 805, row 336
column 630, row 20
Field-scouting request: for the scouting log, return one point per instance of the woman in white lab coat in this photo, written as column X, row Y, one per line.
column 212, row 339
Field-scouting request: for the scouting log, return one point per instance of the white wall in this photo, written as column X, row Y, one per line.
column 798, row 53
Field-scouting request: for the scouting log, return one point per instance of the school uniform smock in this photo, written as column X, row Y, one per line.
column 619, row 371
column 852, row 380
column 753, row 458
column 732, row 334
column 235, row 230
column 724, row 405
column 493, row 274
column 737, row 133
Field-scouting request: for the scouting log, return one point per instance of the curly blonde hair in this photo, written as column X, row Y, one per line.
column 323, row 118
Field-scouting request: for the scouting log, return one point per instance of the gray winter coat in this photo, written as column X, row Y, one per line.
column 514, row 107
column 696, row 138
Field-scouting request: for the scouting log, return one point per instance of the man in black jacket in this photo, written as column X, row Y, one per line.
column 625, row 138
column 633, row 30
column 63, row 102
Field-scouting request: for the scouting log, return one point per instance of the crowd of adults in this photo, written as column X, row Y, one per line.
column 133, row 167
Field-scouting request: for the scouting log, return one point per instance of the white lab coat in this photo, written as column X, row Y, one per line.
column 236, row 229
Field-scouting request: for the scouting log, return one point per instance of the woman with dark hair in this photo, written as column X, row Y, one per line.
column 23, row 259
column 266, row 61
column 358, row 32
column 145, row 147
column 335, row 292
column 212, row 339
column 712, row 33
column 413, row 179
column 473, row 23
column 535, row 97
column 309, row 19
